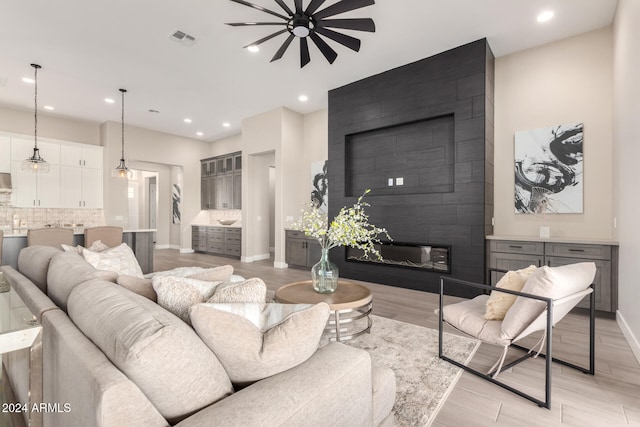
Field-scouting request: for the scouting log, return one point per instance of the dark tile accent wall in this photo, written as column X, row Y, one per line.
column 365, row 119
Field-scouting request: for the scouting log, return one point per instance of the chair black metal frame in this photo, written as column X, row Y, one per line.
column 548, row 346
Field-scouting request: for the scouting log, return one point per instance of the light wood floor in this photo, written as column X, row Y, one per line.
column 610, row 398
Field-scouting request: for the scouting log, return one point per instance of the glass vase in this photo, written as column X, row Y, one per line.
column 324, row 274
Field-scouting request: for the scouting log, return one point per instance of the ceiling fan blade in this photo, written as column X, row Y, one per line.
column 305, row 58
column 248, row 24
column 341, row 7
column 326, row 50
column 269, row 37
column 313, row 6
column 345, row 40
column 283, row 48
column 262, row 9
column 284, row 6
column 298, row 4
column 359, row 24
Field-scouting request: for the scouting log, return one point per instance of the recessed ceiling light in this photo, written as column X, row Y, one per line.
column 48, row 107
column 28, row 80
column 226, row 124
column 545, row 16
column 188, row 120
column 199, row 133
column 109, row 100
column 303, row 98
column 253, row 48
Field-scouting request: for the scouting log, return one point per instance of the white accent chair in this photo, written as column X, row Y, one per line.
column 547, row 296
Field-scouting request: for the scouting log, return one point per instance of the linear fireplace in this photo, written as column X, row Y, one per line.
column 407, row 255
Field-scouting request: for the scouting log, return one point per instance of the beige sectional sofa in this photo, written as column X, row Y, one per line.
column 119, row 359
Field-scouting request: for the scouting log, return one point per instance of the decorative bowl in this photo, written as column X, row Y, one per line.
column 226, row 221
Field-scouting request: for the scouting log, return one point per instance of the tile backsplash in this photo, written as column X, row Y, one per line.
column 14, row 219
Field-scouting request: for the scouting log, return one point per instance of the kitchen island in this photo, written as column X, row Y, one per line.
column 141, row 241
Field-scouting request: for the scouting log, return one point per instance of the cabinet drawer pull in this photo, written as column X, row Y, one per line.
column 576, row 250
column 515, row 247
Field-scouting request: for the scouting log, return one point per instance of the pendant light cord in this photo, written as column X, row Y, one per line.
column 123, row 92
column 35, row 109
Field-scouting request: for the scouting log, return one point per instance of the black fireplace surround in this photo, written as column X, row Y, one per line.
column 420, row 137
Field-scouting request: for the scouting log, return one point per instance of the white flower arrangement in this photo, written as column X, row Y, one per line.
column 349, row 228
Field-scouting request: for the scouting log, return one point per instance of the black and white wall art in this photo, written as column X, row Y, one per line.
column 176, row 199
column 320, row 187
column 549, row 170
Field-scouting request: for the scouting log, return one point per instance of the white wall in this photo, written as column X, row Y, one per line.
column 626, row 133
column 50, row 126
column 559, row 83
column 150, row 147
column 226, row 146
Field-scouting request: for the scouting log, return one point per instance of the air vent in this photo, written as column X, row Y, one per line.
column 182, row 38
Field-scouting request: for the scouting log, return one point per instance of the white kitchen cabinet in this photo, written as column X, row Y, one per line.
column 82, row 187
column 89, row 156
column 36, row 190
column 74, row 180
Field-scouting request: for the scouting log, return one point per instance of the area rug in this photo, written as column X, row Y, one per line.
column 423, row 381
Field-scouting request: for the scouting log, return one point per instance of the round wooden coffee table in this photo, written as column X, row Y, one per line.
column 349, row 303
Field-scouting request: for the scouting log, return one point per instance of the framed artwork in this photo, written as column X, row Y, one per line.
column 549, row 170
column 176, row 197
column 319, row 183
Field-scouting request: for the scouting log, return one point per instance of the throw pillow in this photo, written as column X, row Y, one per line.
column 119, row 259
column 216, row 274
column 499, row 302
column 250, row 290
column 255, row 341
column 140, row 286
column 179, row 294
column 96, row 246
column 548, row 282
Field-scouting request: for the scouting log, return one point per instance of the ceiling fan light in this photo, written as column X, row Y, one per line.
column 300, row 31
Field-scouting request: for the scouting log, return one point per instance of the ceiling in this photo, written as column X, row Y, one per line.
column 89, row 49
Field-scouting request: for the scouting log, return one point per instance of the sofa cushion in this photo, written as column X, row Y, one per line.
column 66, row 271
column 548, row 282
column 120, row 259
column 255, row 341
column 499, row 302
column 33, row 262
column 140, row 286
column 179, row 294
column 157, row 351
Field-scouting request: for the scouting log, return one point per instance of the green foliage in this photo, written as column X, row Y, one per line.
column 349, row 228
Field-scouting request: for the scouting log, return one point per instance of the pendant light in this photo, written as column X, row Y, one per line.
column 122, row 167
column 35, row 163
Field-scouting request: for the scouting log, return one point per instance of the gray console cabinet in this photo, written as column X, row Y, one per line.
column 517, row 254
column 301, row 250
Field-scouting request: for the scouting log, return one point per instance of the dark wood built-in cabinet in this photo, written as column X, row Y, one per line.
column 517, row 254
column 217, row 240
column 221, row 186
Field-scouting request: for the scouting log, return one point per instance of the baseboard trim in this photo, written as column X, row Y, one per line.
column 165, row 247
column 628, row 334
column 253, row 258
column 186, row 251
column 280, row 264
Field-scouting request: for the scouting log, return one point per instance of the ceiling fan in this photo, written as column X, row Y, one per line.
column 311, row 23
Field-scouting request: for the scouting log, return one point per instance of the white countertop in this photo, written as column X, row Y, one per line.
column 577, row 240
column 81, row 232
column 234, row 225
